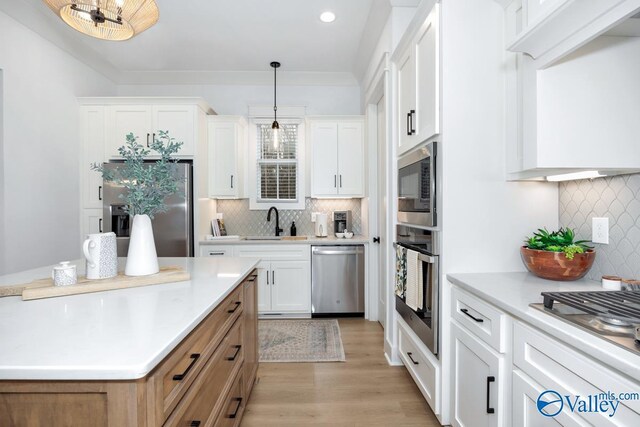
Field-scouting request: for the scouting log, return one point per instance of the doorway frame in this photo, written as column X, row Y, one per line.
column 380, row 84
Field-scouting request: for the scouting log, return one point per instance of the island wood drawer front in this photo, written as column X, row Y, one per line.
column 205, row 398
column 421, row 364
column 558, row 367
column 234, row 405
column 173, row 377
column 486, row 322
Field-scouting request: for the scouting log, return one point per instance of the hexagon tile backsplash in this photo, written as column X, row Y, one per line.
column 238, row 219
column 617, row 198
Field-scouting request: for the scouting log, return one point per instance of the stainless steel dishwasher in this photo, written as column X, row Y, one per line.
column 337, row 280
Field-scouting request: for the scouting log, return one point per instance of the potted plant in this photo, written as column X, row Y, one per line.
column 146, row 187
column 556, row 256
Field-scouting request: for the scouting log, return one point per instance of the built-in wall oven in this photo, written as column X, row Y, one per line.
column 423, row 322
column 417, row 187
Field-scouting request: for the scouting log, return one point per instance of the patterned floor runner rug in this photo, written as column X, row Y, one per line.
column 300, row 340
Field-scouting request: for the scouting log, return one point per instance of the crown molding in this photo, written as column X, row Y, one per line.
column 258, row 78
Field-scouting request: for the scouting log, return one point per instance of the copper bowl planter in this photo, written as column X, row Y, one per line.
column 555, row 265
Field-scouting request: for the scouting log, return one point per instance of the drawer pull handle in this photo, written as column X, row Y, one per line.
column 232, row 358
column 233, row 310
column 235, row 413
column 216, row 253
column 100, row 192
column 465, row 311
column 251, row 279
column 194, row 357
column 414, row 362
column 490, row 410
column 195, row 423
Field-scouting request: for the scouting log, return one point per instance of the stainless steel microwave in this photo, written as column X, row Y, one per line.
column 417, row 187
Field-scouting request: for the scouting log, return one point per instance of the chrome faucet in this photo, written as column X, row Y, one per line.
column 278, row 229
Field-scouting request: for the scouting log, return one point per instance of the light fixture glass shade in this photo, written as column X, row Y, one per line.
column 107, row 19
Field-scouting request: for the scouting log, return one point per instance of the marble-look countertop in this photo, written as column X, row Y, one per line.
column 310, row 240
column 513, row 292
column 119, row 334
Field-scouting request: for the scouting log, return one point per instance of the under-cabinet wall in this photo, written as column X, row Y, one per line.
column 617, row 198
column 240, row 220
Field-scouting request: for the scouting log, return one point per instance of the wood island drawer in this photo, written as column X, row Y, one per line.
column 483, row 320
column 234, row 404
column 172, row 378
column 206, row 397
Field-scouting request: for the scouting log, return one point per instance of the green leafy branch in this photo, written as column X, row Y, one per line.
column 146, row 184
column 557, row 241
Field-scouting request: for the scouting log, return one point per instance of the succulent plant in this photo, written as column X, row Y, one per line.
column 561, row 240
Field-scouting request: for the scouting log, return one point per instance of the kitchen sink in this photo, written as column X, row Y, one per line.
column 263, row 238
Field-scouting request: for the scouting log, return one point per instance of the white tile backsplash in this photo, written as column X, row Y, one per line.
column 239, row 219
column 617, row 198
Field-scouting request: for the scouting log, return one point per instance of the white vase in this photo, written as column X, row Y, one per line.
column 142, row 258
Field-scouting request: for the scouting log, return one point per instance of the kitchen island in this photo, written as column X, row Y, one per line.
column 177, row 353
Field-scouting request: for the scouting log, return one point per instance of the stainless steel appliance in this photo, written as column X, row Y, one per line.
column 417, row 187
column 337, row 280
column 611, row 315
column 172, row 230
column 425, row 323
column 342, row 221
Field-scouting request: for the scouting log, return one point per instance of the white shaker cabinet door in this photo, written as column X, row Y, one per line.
column 427, row 117
column 350, row 159
column 324, row 152
column 223, row 177
column 406, row 100
column 290, row 286
column 264, row 286
column 478, row 377
column 524, row 406
column 91, row 222
column 125, row 119
column 92, row 140
column 180, row 122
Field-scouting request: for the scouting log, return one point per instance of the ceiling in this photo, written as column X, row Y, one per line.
column 220, row 41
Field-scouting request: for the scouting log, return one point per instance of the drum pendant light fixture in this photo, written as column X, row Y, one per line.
column 107, row 19
column 275, row 126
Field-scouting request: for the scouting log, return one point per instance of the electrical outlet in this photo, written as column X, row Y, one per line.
column 600, row 230
column 313, row 216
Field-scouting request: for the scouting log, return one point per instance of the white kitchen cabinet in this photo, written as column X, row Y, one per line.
column 123, row 120
column 284, row 277
column 337, row 161
column 216, row 250
column 558, row 367
column 92, row 141
column 227, row 162
column 418, row 77
column 478, row 375
column 289, row 292
column 91, row 222
column 421, row 363
column 524, row 406
column 145, row 120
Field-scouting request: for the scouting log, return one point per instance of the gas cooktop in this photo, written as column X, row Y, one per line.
column 611, row 315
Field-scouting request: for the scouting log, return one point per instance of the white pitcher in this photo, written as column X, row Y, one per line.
column 100, row 250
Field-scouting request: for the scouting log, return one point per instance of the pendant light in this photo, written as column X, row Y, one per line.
column 275, row 126
column 107, row 19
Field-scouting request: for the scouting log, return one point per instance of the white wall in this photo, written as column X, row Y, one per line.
column 41, row 142
column 2, row 235
column 235, row 99
column 484, row 217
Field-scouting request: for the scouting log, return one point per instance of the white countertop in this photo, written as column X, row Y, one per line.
column 311, row 240
column 513, row 292
column 120, row 334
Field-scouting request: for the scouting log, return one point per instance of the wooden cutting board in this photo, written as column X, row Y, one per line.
column 44, row 288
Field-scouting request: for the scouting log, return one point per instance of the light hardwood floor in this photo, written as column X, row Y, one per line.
column 363, row 391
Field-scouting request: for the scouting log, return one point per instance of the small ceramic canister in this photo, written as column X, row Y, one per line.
column 64, row 274
column 611, row 283
column 630, row 285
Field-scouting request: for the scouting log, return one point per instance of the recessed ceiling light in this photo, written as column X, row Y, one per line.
column 328, row 17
